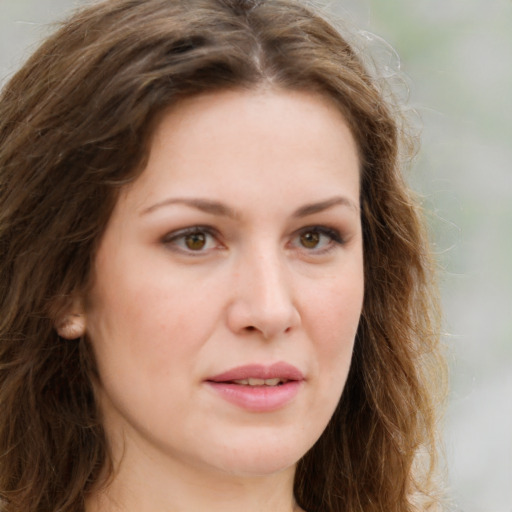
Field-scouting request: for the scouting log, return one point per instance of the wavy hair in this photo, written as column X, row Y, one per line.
column 75, row 124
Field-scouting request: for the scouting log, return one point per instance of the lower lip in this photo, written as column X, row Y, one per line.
column 257, row 398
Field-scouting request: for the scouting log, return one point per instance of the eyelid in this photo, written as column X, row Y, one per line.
column 172, row 237
column 336, row 239
column 333, row 233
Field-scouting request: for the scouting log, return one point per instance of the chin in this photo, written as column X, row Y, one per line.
column 259, row 467
column 261, row 457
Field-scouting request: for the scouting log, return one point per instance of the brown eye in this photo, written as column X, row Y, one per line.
column 195, row 241
column 318, row 240
column 310, row 239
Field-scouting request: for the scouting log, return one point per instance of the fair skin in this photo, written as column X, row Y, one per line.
column 236, row 255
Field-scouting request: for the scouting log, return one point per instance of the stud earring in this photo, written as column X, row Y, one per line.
column 72, row 327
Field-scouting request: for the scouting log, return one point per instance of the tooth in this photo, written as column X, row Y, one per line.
column 256, row 382
column 252, row 381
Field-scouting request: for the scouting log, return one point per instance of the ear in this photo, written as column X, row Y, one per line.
column 71, row 323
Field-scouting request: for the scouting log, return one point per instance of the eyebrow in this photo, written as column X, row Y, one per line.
column 205, row 205
column 310, row 209
column 221, row 209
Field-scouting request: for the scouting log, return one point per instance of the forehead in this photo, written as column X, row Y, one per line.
column 239, row 142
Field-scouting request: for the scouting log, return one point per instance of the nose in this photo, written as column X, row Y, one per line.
column 262, row 299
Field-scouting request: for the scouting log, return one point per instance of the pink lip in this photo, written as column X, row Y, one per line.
column 258, row 398
column 258, row 371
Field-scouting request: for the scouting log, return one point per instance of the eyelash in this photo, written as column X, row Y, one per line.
column 171, row 240
column 334, row 236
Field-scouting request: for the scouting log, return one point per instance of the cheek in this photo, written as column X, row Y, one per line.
column 331, row 321
column 149, row 322
column 335, row 308
column 333, row 318
column 146, row 340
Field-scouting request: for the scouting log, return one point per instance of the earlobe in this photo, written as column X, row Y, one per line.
column 71, row 324
column 71, row 327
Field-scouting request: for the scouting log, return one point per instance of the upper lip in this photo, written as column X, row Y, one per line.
column 279, row 370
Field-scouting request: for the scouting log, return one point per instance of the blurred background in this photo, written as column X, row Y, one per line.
column 456, row 59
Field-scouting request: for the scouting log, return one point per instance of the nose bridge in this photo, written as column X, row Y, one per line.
column 264, row 292
column 269, row 283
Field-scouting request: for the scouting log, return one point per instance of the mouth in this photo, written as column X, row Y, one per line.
column 260, row 382
column 260, row 375
column 258, row 388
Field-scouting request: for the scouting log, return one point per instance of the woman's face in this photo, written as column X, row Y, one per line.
column 228, row 284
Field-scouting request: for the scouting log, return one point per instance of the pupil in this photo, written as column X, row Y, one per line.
column 195, row 241
column 310, row 239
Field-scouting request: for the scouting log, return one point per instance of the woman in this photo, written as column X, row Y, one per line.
column 215, row 287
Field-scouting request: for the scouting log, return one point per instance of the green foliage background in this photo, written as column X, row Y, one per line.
column 456, row 59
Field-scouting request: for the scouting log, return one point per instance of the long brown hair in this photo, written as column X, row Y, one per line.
column 75, row 123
